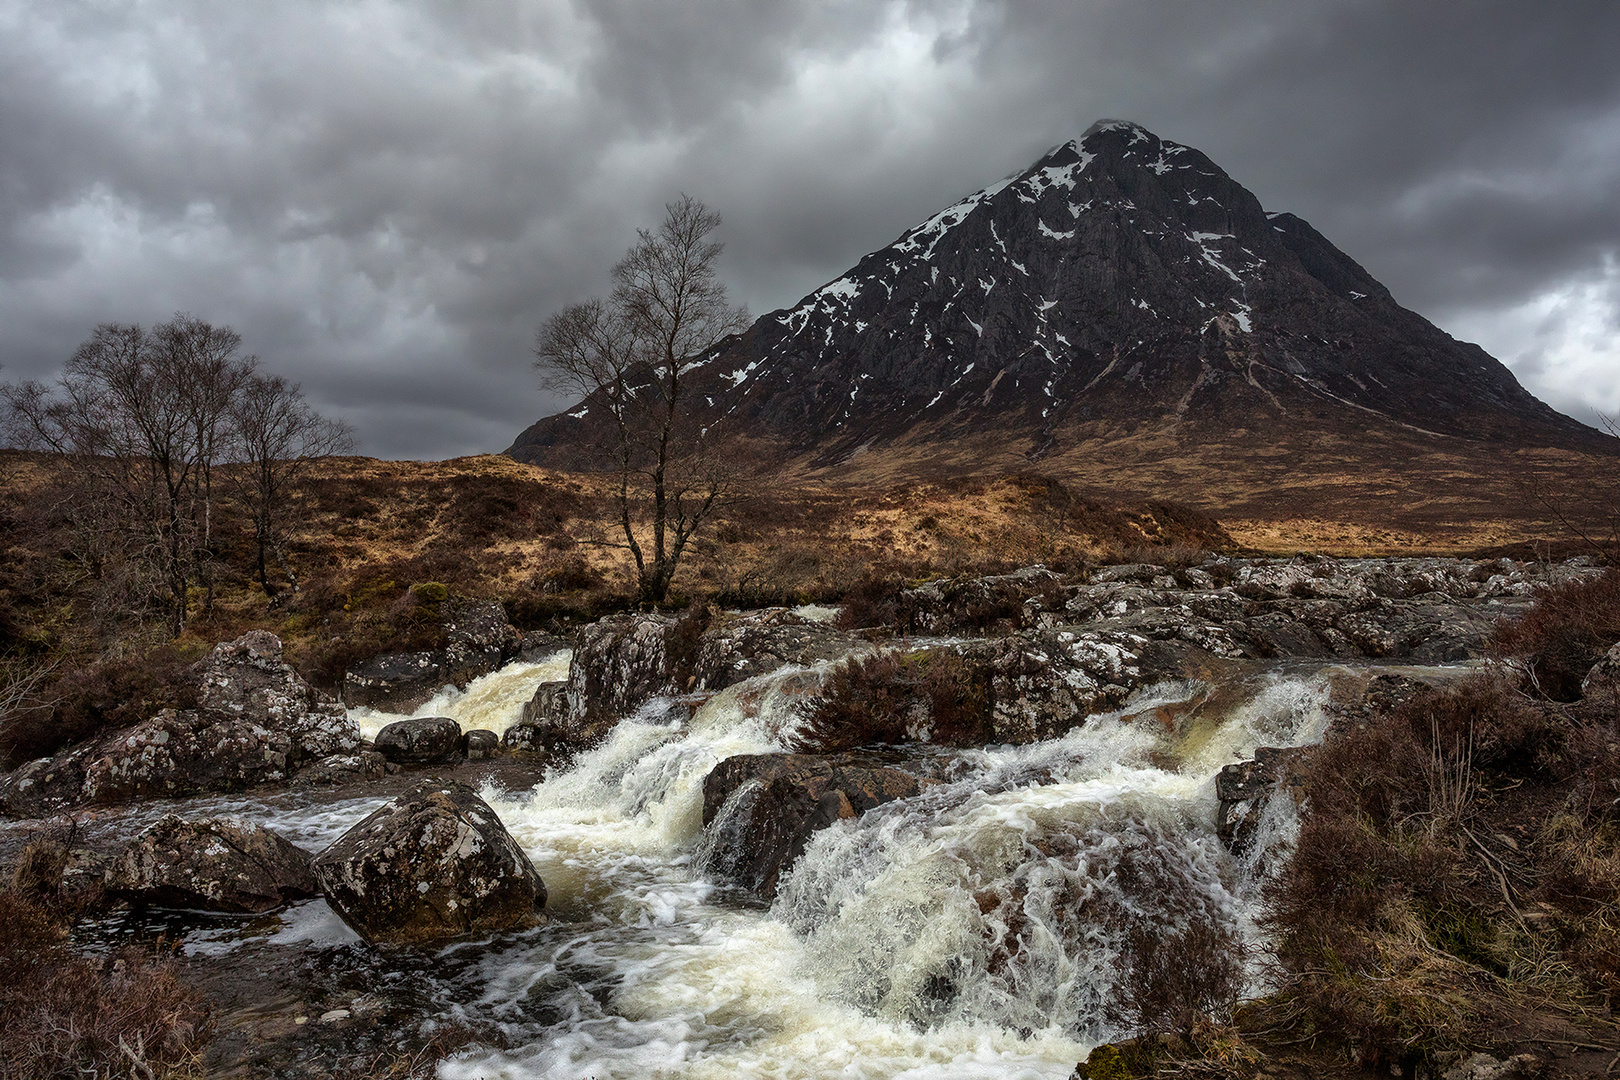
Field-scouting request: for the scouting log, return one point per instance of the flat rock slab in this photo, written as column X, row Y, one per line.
column 213, row 864
column 435, row 863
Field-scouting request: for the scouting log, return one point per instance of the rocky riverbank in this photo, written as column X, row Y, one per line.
column 747, row 743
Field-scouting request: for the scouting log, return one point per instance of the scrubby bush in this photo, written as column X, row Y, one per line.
column 122, row 1016
column 933, row 696
column 1455, row 869
column 1570, row 627
column 102, row 696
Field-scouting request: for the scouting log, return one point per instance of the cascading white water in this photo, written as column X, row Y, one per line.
column 494, row 701
column 984, row 928
column 980, row 929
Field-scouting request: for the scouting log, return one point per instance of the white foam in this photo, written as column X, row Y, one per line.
column 494, row 701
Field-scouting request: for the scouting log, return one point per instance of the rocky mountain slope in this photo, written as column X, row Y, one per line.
column 1121, row 284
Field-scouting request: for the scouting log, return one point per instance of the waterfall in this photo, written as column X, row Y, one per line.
column 494, row 701
column 990, row 926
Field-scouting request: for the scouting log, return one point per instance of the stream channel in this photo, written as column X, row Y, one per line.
column 983, row 928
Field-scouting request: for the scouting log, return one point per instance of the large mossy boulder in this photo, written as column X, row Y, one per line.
column 213, row 864
column 257, row 722
column 422, row 740
column 435, row 863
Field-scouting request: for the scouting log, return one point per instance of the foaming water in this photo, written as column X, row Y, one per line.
column 494, row 701
column 989, row 927
column 985, row 928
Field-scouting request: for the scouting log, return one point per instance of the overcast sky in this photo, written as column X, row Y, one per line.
column 386, row 198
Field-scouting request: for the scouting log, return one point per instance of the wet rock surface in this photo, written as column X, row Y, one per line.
column 480, row 744
column 435, row 863
column 394, row 682
column 764, row 808
column 344, row 769
column 619, row 662
column 257, row 722
column 212, row 864
column 478, row 640
column 423, row 740
column 735, row 648
column 1243, row 789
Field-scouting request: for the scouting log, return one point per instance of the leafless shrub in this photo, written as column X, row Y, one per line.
column 68, row 1016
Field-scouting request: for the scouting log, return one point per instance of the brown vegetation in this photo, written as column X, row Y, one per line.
column 1570, row 627
column 125, row 1015
column 1456, row 882
column 934, row 696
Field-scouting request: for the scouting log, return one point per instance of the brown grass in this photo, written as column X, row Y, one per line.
column 69, row 1016
column 1446, row 888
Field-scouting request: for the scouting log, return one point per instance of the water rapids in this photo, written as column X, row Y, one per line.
column 992, row 926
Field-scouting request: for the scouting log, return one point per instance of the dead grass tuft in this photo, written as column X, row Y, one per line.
column 68, row 1016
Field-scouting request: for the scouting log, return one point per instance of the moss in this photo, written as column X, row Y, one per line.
column 1104, row 1063
column 429, row 592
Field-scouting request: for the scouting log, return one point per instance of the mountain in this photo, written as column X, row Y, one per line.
column 1122, row 286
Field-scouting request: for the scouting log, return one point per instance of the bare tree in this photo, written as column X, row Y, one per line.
column 209, row 375
column 138, row 415
column 274, row 435
column 629, row 356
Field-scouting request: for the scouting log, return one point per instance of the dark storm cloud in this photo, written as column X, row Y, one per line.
column 386, row 198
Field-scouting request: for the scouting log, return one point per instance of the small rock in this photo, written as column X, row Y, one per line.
column 480, row 744
column 425, row 740
column 1604, row 675
column 1242, row 790
column 1486, row 1067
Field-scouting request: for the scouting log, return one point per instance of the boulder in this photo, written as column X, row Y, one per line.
column 1042, row 683
column 619, row 662
column 479, row 639
column 423, row 740
column 622, row 662
column 215, row 864
column 258, row 722
column 548, row 706
column 525, row 737
column 435, row 863
column 733, row 649
column 1243, row 789
column 395, row 682
column 480, row 744
column 762, row 809
column 1604, row 676
column 344, row 769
